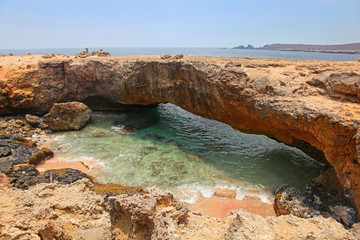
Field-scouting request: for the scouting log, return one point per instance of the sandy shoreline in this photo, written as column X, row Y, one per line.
column 215, row 206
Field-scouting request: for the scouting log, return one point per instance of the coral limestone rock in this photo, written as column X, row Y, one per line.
column 312, row 105
column 48, row 211
column 68, row 116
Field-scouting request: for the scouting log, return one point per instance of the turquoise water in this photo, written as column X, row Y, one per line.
column 187, row 154
column 120, row 51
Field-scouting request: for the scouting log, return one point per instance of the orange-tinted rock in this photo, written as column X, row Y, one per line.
column 68, row 116
column 300, row 103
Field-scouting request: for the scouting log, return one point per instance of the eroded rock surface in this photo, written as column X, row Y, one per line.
column 53, row 211
column 312, row 105
column 68, row 116
column 74, row 211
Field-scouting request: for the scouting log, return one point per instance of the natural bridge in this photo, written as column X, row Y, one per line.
column 312, row 105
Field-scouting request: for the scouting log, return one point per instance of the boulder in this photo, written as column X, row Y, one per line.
column 68, row 116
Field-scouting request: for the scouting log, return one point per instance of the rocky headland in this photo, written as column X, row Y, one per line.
column 351, row 48
column 312, row 105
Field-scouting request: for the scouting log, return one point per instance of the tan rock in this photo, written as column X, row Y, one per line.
column 68, row 116
column 48, row 211
column 306, row 104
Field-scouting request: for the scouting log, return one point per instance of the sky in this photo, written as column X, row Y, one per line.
column 173, row 23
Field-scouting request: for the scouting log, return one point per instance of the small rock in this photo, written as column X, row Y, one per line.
column 180, row 167
column 29, row 54
column 10, row 54
column 20, row 122
column 152, row 136
column 167, row 56
column 3, row 125
column 33, row 120
column 179, row 56
column 99, row 134
column 192, row 157
column 157, row 167
column 48, row 56
column 5, row 151
column 173, row 143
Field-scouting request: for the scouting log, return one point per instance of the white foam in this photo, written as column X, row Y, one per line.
column 190, row 193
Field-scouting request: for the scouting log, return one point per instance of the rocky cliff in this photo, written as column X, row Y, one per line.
column 48, row 211
column 312, row 105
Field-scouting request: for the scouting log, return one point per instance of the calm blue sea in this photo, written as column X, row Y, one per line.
column 119, row 51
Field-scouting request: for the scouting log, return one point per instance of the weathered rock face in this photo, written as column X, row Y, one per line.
column 155, row 215
column 48, row 211
column 68, row 116
column 312, row 105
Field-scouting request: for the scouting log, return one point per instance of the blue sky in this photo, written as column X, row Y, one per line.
column 185, row 23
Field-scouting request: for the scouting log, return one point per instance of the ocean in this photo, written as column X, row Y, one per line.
column 222, row 52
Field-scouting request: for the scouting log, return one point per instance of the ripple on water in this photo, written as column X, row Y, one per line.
column 189, row 155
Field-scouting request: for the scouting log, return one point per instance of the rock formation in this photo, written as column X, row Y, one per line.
column 68, row 116
column 312, row 105
column 14, row 151
column 48, row 211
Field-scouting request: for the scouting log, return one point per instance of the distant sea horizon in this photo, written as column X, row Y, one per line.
column 194, row 51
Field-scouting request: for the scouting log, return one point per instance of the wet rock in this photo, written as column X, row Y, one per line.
column 344, row 214
column 41, row 155
column 99, row 134
column 123, row 130
column 15, row 151
column 68, row 116
column 63, row 176
column 140, row 125
column 180, row 167
column 113, row 189
column 172, row 143
column 151, row 148
column 152, row 136
column 313, row 202
column 192, row 157
column 157, row 167
column 24, row 176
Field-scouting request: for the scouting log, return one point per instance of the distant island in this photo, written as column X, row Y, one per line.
column 351, row 48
